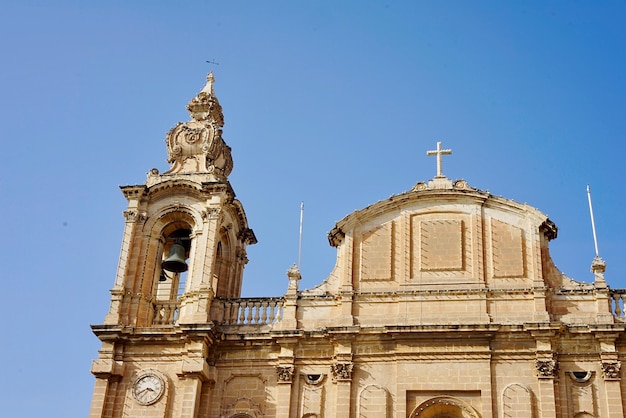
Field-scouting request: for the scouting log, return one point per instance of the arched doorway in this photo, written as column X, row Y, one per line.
column 444, row 407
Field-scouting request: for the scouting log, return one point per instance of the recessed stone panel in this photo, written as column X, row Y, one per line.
column 377, row 253
column 507, row 250
column 373, row 402
column 517, row 401
column 441, row 245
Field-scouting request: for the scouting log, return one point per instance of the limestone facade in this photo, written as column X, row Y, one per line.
column 444, row 302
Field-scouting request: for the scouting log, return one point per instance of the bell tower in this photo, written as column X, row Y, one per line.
column 184, row 243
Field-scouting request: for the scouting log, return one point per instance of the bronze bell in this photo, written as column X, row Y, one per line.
column 175, row 261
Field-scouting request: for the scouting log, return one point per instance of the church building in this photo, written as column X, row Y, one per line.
column 444, row 302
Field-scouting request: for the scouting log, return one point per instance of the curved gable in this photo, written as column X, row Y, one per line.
column 441, row 239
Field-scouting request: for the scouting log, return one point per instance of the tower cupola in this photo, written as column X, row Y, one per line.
column 197, row 146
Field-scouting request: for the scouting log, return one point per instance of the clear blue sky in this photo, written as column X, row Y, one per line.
column 333, row 103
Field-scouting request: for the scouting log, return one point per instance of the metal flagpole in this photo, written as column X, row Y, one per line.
column 300, row 241
column 593, row 224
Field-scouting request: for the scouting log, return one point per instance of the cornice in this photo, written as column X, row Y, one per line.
column 459, row 193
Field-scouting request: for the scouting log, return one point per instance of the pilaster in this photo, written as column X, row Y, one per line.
column 611, row 373
column 341, row 371
column 192, row 388
column 108, row 372
column 133, row 216
column 547, row 366
column 285, row 372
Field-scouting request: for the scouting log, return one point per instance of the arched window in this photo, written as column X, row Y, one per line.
column 224, row 267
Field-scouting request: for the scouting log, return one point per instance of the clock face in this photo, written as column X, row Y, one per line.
column 148, row 388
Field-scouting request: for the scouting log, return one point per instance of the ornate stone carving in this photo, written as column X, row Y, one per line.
column 420, row 186
column 197, row 146
column 547, row 368
column 211, row 213
column 549, row 229
column 285, row 374
column 336, row 236
column 241, row 255
column 462, row 185
column 611, row 369
column 134, row 216
column 341, row 371
column 247, row 236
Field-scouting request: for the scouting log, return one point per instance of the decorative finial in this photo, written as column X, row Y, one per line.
column 205, row 105
column 439, row 152
column 294, row 276
column 208, row 87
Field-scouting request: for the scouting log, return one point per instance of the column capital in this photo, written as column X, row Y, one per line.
column 342, row 371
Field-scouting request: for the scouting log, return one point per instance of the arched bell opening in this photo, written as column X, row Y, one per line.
column 172, row 273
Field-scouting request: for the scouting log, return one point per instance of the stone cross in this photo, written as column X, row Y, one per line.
column 439, row 152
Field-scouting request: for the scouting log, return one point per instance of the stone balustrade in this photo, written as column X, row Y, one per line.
column 165, row 312
column 262, row 311
column 251, row 311
column 240, row 311
column 618, row 305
